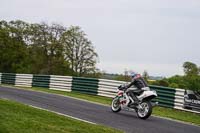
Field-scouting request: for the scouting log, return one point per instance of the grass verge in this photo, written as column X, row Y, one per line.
column 184, row 116
column 158, row 111
column 19, row 118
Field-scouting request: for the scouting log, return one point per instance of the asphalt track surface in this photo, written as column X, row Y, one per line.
column 99, row 114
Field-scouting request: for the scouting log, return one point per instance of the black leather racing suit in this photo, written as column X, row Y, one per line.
column 139, row 83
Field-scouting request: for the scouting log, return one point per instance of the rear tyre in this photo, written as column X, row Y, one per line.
column 145, row 111
column 116, row 107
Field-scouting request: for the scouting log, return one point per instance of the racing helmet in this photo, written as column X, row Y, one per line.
column 133, row 74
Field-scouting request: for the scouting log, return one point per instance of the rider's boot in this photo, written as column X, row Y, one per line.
column 135, row 102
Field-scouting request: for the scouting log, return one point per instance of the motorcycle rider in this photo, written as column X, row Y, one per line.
column 138, row 81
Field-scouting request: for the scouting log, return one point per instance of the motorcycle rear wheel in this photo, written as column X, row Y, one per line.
column 116, row 107
column 145, row 111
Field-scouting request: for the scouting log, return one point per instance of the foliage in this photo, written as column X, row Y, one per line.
column 192, row 76
column 45, row 49
column 177, row 82
column 191, row 79
column 78, row 50
column 120, row 77
column 145, row 75
column 193, row 82
column 13, row 49
column 174, row 85
column 162, row 82
column 190, row 69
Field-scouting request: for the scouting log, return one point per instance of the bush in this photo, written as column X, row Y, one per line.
column 174, row 85
column 193, row 82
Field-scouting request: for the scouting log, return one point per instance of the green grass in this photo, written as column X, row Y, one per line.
column 177, row 115
column 19, row 118
column 158, row 111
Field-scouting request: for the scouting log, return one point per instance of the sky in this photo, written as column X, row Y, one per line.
column 153, row 35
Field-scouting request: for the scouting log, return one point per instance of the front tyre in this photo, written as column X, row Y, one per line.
column 145, row 111
column 116, row 107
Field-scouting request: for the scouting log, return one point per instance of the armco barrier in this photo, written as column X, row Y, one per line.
column 8, row 78
column 41, row 81
column 62, row 83
column 0, row 78
column 167, row 97
column 24, row 80
column 179, row 98
column 108, row 88
column 85, row 85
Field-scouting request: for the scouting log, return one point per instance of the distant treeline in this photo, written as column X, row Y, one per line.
column 190, row 79
column 40, row 48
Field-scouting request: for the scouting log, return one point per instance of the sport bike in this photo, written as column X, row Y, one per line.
column 143, row 107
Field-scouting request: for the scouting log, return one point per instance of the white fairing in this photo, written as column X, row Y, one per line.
column 147, row 94
column 126, row 98
column 146, row 88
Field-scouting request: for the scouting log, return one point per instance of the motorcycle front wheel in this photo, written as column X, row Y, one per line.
column 116, row 107
column 145, row 110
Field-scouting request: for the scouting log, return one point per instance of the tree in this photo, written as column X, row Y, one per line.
column 46, row 45
column 193, row 82
column 180, row 82
column 174, row 85
column 46, row 49
column 43, row 47
column 13, row 49
column 79, row 51
column 192, row 77
column 145, row 75
column 190, row 68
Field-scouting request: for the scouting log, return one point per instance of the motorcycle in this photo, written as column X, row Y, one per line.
column 143, row 107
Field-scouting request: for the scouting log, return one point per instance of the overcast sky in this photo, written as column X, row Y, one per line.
column 153, row 35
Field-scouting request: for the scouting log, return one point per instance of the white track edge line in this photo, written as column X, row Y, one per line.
column 62, row 114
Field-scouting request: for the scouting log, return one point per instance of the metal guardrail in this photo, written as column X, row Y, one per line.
column 167, row 97
column 8, row 78
column 24, row 80
column 85, row 85
column 108, row 88
column 41, row 81
column 0, row 78
column 62, row 83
